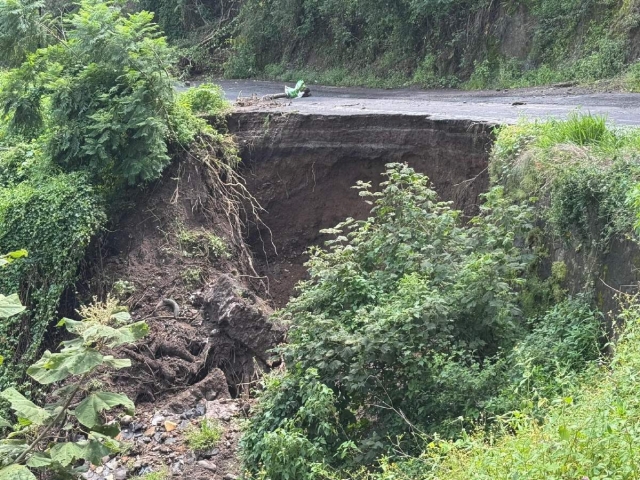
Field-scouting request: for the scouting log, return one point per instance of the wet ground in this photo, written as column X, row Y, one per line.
column 503, row 106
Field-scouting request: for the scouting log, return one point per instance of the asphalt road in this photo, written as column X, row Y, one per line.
column 491, row 106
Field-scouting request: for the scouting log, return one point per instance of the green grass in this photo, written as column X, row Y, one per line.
column 206, row 436
column 595, row 434
column 583, row 170
column 162, row 474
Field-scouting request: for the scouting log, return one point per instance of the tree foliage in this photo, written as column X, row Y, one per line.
column 101, row 93
column 88, row 111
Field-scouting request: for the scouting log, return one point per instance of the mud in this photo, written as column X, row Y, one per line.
column 301, row 169
column 161, row 250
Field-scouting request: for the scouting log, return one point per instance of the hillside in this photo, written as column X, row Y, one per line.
column 429, row 43
column 369, row 285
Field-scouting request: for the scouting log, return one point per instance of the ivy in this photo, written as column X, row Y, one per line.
column 55, row 220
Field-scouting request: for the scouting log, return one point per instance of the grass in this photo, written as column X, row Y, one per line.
column 162, row 474
column 200, row 243
column 583, row 170
column 204, row 437
column 192, row 277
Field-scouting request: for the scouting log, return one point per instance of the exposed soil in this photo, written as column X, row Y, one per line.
column 301, row 169
column 204, row 357
column 210, row 349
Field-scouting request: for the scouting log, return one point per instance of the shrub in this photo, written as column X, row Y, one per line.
column 404, row 312
column 37, row 441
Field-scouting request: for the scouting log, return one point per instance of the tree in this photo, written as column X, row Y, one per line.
column 98, row 95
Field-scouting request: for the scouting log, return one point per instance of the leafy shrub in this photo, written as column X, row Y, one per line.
column 550, row 360
column 35, row 441
column 205, row 99
column 587, row 435
column 295, row 427
column 404, row 312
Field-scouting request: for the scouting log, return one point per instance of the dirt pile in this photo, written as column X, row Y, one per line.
column 176, row 263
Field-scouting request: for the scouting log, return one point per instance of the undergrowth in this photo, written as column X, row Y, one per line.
column 90, row 116
column 425, row 347
column 204, row 437
column 589, row 434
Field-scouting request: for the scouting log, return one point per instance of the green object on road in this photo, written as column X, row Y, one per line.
column 297, row 91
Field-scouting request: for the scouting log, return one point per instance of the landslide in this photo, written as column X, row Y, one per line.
column 175, row 246
column 301, row 169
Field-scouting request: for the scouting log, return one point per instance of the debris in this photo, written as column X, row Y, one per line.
column 170, row 426
column 208, row 465
column 299, row 91
column 157, row 420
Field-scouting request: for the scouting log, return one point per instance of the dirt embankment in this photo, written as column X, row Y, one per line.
column 301, row 169
column 176, row 263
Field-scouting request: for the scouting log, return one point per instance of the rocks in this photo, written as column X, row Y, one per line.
column 223, row 410
column 170, row 426
column 157, row 420
column 120, row 474
column 126, row 420
column 208, row 465
column 213, row 386
column 229, row 476
column 160, row 447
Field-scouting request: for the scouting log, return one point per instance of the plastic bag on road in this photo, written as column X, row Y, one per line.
column 297, row 92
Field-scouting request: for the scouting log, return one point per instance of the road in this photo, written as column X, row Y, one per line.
column 490, row 106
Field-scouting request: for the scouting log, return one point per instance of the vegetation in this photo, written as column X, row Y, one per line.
column 88, row 112
column 426, row 347
column 470, row 43
column 583, row 170
column 204, row 437
column 46, row 437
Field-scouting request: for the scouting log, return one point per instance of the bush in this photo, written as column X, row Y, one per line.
column 103, row 96
column 401, row 320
